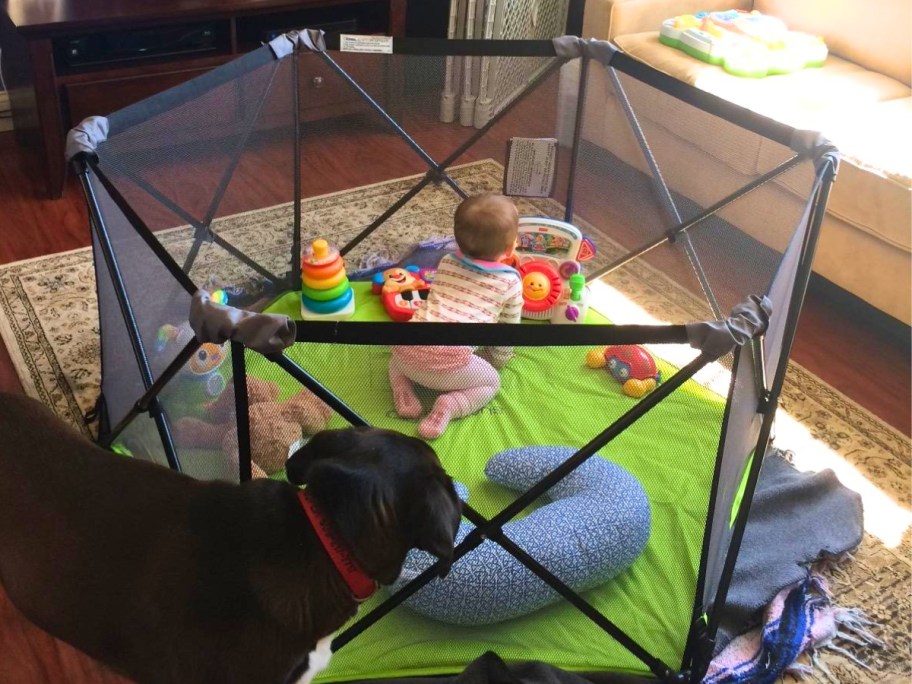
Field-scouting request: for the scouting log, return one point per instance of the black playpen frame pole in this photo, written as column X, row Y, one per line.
column 696, row 637
column 656, row 666
column 141, row 228
column 296, row 207
column 433, row 174
column 145, row 401
column 671, row 234
column 623, row 422
column 97, row 223
column 317, row 388
column 201, row 233
column 440, row 174
column 223, row 185
column 577, row 135
column 826, row 175
column 242, row 411
column 661, row 187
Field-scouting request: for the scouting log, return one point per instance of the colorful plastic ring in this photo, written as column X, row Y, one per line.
column 331, row 306
column 324, row 271
column 323, row 283
column 326, row 295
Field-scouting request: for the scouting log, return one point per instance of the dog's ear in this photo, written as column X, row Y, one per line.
column 324, row 444
column 436, row 521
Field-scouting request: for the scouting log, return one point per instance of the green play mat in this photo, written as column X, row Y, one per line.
column 548, row 396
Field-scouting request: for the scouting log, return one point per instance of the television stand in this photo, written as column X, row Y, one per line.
column 64, row 60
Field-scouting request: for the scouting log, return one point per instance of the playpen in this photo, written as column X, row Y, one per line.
column 216, row 184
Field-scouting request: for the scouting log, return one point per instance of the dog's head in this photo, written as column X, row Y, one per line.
column 385, row 492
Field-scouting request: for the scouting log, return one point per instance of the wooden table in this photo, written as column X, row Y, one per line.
column 63, row 60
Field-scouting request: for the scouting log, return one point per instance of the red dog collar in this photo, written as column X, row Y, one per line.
column 362, row 587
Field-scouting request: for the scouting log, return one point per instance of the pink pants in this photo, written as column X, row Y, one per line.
column 467, row 390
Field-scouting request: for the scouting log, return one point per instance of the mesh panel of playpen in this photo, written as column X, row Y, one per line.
column 210, row 168
column 547, row 396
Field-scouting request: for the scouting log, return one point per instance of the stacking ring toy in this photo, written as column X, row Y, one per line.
column 321, row 283
column 326, row 295
column 333, row 305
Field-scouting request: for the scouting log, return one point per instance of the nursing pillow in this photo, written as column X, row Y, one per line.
column 596, row 524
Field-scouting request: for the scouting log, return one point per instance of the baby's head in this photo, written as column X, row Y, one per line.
column 486, row 226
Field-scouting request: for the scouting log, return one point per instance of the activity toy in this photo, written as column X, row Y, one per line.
column 403, row 290
column 748, row 44
column 326, row 293
column 596, row 525
column 203, row 367
column 629, row 364
column 548, row 252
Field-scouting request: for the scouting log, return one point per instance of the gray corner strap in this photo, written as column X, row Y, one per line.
column 86, row 136
column 306, row 39
column 748, row 320
column 601, row 50
column 568, row 47
column 217, row 323
column 808, row 141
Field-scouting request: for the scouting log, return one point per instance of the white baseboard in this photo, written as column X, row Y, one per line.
column 6, row 122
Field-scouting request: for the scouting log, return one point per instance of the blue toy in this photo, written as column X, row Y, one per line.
column 596, row 525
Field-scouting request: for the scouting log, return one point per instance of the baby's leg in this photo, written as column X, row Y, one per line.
column 471, row 388
column 404, row 397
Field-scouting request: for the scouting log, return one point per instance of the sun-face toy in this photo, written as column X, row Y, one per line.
column 203, row 366
column 541, row 287
column 629, row 364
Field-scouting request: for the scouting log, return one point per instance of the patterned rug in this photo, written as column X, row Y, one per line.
column 48, row 322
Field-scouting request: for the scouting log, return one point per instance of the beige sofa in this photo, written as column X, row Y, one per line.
column 860, row 99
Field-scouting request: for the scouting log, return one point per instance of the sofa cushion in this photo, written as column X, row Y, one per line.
column 874, row 35
column 873, row 191
column 866, row 115
column 876, row 137
column 800, row 99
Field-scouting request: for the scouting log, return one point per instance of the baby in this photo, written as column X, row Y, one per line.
column 471, row 286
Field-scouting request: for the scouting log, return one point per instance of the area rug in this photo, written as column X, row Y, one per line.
column 48, row 322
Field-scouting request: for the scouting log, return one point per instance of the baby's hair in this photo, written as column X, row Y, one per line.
column 485, row 226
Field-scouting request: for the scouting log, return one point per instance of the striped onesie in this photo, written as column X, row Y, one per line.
column 465, row 290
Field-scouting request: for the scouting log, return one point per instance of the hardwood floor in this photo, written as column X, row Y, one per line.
column 839, row 340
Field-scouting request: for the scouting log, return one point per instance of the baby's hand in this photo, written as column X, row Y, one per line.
column 496, row 356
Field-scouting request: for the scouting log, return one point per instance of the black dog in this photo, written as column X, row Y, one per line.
column 171, row 580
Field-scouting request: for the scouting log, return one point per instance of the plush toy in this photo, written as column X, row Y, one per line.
column 597, row 524
column 274, row 425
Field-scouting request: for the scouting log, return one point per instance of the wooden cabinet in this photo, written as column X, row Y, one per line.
column 91, row 98
column 67, row 59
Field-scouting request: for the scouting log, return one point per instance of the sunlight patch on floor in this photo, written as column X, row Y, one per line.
column 884, row 518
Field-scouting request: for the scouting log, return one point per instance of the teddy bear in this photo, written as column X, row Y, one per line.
column 274, row 424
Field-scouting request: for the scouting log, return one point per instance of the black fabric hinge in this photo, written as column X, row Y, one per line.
column 763, row 403
column 703, row 649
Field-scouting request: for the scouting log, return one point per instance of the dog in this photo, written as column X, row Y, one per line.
column 171, row 580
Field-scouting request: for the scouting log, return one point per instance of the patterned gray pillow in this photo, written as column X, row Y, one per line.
column 596, row 524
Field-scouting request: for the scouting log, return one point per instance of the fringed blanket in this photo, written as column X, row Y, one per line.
column 801, row 619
